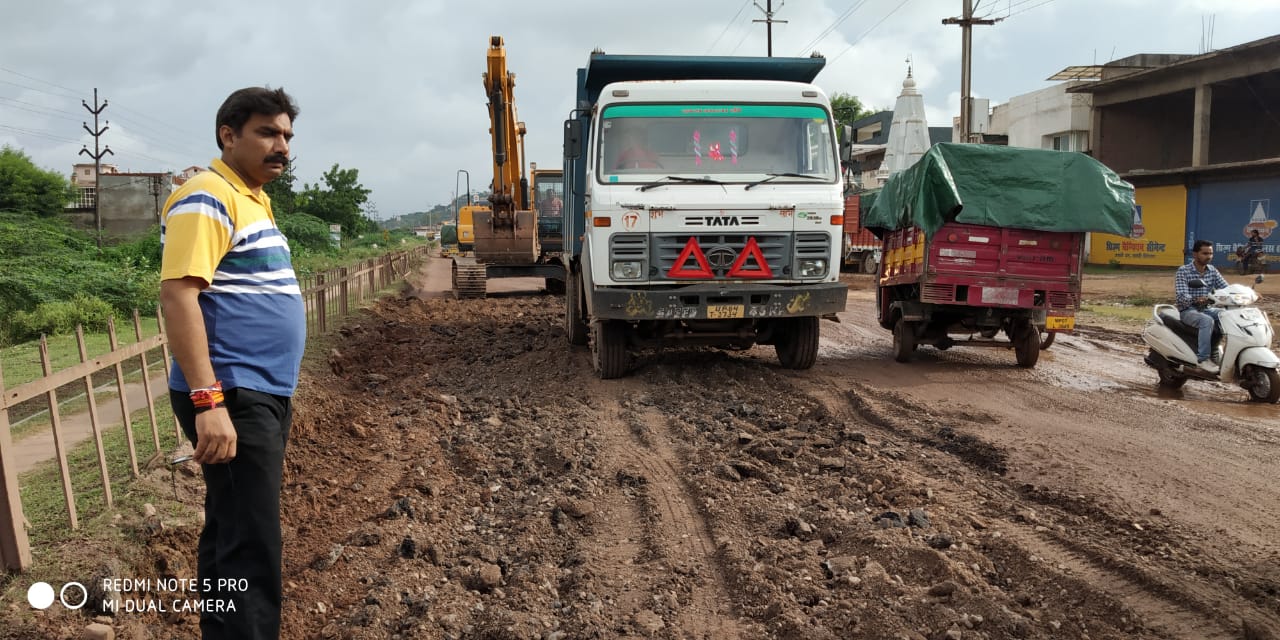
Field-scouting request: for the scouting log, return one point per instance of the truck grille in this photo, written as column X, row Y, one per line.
column 721, row 250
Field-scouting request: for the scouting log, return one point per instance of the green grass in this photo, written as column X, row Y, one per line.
column 21, row 362
column 41, row 488
column 1120, row 311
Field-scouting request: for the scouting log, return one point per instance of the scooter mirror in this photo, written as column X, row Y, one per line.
column 1196, row 282
column 1258, row 280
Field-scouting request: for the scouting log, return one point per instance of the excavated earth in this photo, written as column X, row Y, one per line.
column 458, row 471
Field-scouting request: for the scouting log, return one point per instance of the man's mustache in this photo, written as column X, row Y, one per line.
column 282, row 159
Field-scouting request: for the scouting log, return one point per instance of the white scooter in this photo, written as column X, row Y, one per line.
column 1245, row 358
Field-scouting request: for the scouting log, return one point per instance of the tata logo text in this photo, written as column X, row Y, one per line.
column 720, row 221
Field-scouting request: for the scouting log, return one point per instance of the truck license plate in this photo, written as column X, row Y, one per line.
column 724, row 311
column 1000, row 295
column 1059, row 323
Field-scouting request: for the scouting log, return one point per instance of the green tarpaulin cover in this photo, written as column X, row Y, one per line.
column 1004, row 187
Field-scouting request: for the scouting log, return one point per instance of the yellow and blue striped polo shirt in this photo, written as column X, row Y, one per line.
column 217, row 230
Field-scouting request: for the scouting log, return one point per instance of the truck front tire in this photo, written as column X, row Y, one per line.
column 797, row 342
column 609, row 348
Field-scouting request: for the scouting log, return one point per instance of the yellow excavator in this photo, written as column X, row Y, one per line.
column 506, row 232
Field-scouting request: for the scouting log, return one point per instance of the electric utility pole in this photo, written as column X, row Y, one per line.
column 966, row 23
column 97, row 154
column 768, row 20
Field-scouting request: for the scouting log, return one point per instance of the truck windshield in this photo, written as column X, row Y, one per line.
column 725, row 142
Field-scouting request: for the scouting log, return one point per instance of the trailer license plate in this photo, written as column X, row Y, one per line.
column 725, row 311
column 1059, row 323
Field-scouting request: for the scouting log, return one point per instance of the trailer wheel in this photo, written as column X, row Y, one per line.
column 1026, row 345
column 609, row 348
column 904, row 340
column 575, row 327
column 1046, row 339
column 869, row 263
column 797, row 343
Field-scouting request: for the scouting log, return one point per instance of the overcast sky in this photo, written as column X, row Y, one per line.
column 392, row 88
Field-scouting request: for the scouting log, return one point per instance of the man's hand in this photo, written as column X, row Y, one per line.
column 1202, row 301
column 215, row 437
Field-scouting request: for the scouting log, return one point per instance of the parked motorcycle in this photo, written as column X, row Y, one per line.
column 1244, row 357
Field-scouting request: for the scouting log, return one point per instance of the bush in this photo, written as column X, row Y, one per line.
column 61, row 317
column 142, row 252
column 306, row 233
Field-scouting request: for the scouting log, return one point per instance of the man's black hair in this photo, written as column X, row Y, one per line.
column 1195, row 248
column 250, row 101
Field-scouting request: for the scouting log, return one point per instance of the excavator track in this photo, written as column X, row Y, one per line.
column 469, row 278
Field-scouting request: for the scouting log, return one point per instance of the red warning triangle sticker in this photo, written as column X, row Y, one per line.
column 691, row 248
column 752, row 250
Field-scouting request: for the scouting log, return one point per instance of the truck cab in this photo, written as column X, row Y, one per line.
column 701, row 210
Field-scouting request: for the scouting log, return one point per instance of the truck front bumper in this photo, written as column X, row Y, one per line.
column 720, row 301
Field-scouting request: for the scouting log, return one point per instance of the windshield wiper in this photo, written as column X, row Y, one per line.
column 782, row 175
column 678, row 179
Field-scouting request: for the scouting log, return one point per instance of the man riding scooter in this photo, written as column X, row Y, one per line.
column 1193, row 301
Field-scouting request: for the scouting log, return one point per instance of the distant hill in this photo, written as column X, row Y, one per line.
column 435, row 216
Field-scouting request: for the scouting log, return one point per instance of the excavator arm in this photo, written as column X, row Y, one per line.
column 507, row 133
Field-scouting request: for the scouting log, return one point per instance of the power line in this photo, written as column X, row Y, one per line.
column 868, row 31
column 159, row 121
column 42, row 113
column 747, row 32
column 38, row 133
column 1028, row 9
column 726, row 27
column 832, row 27
column 71, row 92
column 41, row 106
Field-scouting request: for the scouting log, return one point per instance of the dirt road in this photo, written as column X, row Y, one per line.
column 459, row 472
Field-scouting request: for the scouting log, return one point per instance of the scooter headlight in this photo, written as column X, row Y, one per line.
column 1239, row 299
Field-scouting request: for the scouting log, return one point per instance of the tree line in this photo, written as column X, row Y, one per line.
column 54, row 276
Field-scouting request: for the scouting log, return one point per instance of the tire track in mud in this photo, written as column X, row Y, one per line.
column 674, row 537
column 1187, row 609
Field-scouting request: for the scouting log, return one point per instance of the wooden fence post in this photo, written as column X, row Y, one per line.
column 344, row 291
column 15, row 549
column 321, row 307
column 164, row 345
column 56, row 425
column 146, row 383
column 94, row 426
column 124, row 399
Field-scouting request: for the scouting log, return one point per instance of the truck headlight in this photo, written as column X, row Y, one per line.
column 627, row 269
column 813, row 268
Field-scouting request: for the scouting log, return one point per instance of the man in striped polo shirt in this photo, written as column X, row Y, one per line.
column 237, row 327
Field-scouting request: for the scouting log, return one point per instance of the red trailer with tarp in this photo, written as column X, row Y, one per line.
column 861, row 247
column 979, row 240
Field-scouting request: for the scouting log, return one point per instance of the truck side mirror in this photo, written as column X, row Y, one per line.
column 846, row 144
column 572, row 139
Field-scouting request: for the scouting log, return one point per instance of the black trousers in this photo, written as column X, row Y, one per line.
column 238, row 560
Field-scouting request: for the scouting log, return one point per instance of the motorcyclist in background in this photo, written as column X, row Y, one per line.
column 1193, row 301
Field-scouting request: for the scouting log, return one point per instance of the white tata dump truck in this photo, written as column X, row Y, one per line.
column 703, row 207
